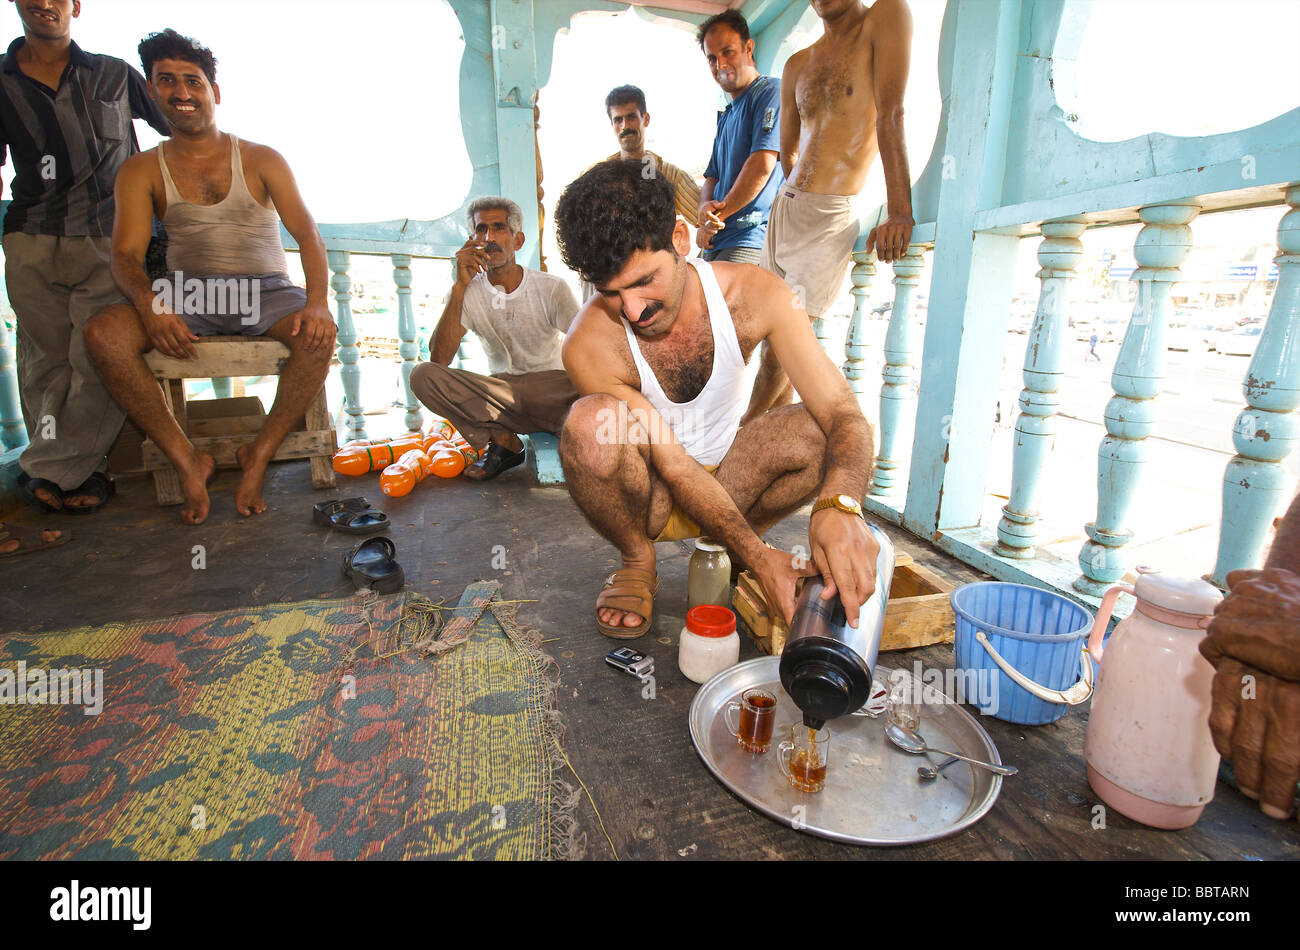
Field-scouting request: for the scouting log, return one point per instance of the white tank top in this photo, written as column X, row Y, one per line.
column 706, row 426
column 236, row 236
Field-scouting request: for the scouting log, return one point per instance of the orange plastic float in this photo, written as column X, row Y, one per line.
column 399, row 478
column 357, row 458
column 448, row 463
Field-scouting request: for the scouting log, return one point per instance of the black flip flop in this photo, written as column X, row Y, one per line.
column 29, row 539
column 99, row 485
column 349, row 515
column 371, row 565
column 31, row 485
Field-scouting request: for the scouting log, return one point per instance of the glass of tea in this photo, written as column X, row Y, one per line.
column 803, row 757
column 756, row 715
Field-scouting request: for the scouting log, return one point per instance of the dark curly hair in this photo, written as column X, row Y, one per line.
column 612, row 211
column 622, row 95
column 171, row 45
column 731, row 18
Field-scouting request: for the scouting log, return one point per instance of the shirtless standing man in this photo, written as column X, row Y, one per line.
column 222, row 201
column 652, row 452
column 841, row 105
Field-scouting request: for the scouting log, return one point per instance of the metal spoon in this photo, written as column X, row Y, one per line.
column 909, row 741
column 928, row 773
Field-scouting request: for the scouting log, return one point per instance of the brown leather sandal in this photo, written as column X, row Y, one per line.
column 631, row 589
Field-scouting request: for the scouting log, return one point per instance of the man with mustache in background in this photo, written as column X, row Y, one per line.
column 521, row 316
column 626, row 110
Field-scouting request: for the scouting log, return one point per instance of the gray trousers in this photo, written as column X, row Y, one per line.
column 494, row 407
column 56, row 284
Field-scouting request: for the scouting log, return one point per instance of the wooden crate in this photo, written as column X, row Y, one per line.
column 918, row 613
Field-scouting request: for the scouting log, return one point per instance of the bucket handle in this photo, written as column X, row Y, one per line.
column 1074, row 696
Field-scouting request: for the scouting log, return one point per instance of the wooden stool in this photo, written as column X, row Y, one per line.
column 220, row 426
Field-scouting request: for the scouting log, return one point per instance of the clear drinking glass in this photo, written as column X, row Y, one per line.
column 804, row 756
column 904, row 703
column 757, row 715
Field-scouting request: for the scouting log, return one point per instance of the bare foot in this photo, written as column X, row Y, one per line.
column 194, row 484
column 48, row 497
column 611, row 616
column 13, row 544
column 248, row 496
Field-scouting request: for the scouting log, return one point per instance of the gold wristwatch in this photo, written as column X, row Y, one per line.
column 845, row 503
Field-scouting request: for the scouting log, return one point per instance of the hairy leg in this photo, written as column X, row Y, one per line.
column 117, row 342
column 301, row 378
column 772, row 388
column 775, row 466
column 614, row 485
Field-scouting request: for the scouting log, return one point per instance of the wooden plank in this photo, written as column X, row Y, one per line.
column 167, row 486
column 229, row 406
column 250, row 357
column 228, row 425
column 175, row 398
column 296, row 445
column 125, row 455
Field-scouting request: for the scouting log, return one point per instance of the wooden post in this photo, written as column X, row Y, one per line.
column 895, row 392
column 349, row 353
column 855, row 342
column 1161, row 246
column 1058, row 254
column 406, row 330
column 13, row 433
column 1256, row 485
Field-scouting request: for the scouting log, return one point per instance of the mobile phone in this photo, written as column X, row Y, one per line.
column 630, row 661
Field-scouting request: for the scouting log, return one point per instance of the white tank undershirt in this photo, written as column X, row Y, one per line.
column 706, row 426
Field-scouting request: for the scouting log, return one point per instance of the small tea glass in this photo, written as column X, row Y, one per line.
column 756, row 710
column 803, row 758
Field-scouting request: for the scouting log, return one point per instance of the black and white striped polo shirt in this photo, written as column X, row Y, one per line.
column 67, row 145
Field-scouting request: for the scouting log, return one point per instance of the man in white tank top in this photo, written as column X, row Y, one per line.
column 652, row 452
column 222, row 201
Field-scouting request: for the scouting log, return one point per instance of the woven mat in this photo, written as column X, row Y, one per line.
column 314, row 730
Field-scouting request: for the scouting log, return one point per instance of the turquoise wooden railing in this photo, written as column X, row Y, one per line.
column 1006, row 166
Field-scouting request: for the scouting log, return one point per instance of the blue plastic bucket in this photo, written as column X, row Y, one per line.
column 1039, row 634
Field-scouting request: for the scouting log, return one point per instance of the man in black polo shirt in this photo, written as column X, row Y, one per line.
column 65, row 117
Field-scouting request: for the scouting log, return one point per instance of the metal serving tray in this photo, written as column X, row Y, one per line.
column 872, row 793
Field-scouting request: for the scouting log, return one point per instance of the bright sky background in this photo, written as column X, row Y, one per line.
column 362, row 97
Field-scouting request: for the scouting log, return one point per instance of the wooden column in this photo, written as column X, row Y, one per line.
column 349, row 353
column 895, row 392
column 1058, row 256
column 1161, row 247
column 13, row 433
column 406, row 331
column 855, row 342
column 1256, row 484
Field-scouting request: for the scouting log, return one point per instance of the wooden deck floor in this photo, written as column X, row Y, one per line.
column 133, row 560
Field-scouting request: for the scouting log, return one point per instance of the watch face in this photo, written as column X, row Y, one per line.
column 848, row 502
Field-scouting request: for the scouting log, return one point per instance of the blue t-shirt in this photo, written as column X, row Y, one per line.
column 750, row 123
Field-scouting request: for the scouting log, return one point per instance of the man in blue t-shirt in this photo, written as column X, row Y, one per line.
column 744, row 172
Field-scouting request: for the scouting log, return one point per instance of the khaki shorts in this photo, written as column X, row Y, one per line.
column 809, row 244
column 680, row 525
